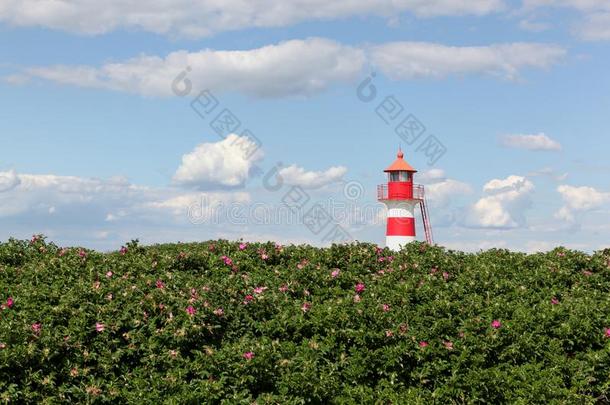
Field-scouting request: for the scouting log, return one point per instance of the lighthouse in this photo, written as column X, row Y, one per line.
column 401, row 197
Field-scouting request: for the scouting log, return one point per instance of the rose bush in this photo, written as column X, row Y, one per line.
column 233, row 322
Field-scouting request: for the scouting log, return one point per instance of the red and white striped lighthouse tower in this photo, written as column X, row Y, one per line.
column 401, row 197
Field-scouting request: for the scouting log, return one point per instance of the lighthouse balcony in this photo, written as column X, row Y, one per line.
column 400, row 191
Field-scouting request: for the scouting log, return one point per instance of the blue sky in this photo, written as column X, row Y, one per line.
column 97, row 149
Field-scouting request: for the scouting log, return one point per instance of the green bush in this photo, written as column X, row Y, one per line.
column 224, row 322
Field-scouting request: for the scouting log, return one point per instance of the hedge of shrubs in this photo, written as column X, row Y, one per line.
column 235, row 322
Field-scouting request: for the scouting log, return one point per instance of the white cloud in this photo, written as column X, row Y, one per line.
column 41, row 193
column 290, row 68
column 16, row 79
column 200, row 206
column 297, row 176
column 504, row 205
column 8, row 181
column 442, row 193
column 440, row 190
column 579, row 199
column 595, row 25
column 226, row 163
column 408, row 60
column 78, row 202
column 431, row 176
column 199, row 18
column 104, row 213
column 582, row 5
column 295, row 67
column 535, row 142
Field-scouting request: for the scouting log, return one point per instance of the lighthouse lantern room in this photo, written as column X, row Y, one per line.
column 401, row 197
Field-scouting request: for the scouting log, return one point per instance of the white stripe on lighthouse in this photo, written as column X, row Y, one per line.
column 397, row 242
column 400, row 212
column 400, row 209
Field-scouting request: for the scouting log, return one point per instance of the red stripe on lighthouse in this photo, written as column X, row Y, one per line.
column 401, row 227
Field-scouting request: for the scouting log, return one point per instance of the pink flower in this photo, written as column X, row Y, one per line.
column 554, row 301
column 108, row 274
column 448, row 345
column 335, row 273
column 381, row 259
column 160, row 284
column 36, row 328
column 283, row 288
column 219, row 312
column 2, row 346
column 433, row 270
column 123, row 250
column 423, row 343
column 99, row 326
column 587, row 273
column 306, row 306
column 248, row 298
column 227, row 260
column 561, row 254
column 190, row 310
column 360, row 288
column 62, row 252
column 243, row 246
column 496, row 324
column 259, row 290
column 389, row 333
column 445, row 275
column 9, row 302
column 378, row 250
column 357, row 298
column 264, row 256
column 390, row 258
column 607, row 333
column 385, row 307
column 248, row 355
column 82, row 253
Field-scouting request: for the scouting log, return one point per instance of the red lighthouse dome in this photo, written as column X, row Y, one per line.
column 400, row 178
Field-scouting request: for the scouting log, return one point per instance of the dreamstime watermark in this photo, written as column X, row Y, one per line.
column 295, row 199
column 406, row 126
column 203, row 212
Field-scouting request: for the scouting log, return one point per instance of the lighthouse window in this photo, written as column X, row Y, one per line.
column 394, row 176
column 404, row 176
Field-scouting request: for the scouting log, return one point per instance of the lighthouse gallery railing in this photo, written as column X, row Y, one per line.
column 418, row 192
